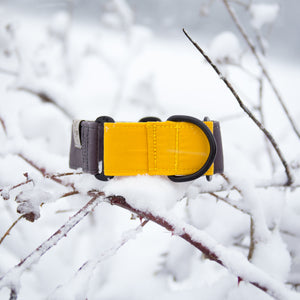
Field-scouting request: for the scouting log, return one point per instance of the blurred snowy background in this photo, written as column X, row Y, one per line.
column 64, row 60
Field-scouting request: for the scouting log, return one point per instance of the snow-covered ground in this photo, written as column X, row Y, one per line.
column 92, row 71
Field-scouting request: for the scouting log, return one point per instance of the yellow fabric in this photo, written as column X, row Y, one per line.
column 155, row 148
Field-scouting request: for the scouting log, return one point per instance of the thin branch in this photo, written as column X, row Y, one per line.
column 43, row 171
column 3, row 125
column 46, row 175
column 260, row 42
column 230, row 202
column 226, row 188
column 6, row 197
column 244, row 69
column 66, row 174
column 13, row 294
column 8, row 72
column 252, row 240
column 10, row 228
column 241, row 3
column 69, row 194
column 47, row 99
column 234, row 187
column 262, row 119
column 262, row 66
column 12, row 277
column 247, row 111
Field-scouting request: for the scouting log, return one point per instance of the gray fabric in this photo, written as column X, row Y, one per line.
column 91, row 152
column 88, row 156
column 219, row 161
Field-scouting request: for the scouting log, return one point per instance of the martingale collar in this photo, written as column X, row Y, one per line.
column 182, row 148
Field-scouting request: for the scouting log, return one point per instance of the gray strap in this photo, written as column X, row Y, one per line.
column 86, row 146
column 219, row 161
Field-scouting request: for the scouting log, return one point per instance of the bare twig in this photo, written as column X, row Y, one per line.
column 262, row 120
column 8, row 72
column 230, row 202
column 3, row 125
column 47, row 99
column 13, row 294
column 241, row 3
column 252, row 240
column 226, row 188
column 16, row 186
column 247, row 111
column 66, row 174
column 10, row 228
column 43, row 171
column 46, row 175
column 260, row 42
column 69, row 194
column 262, row 66
column 234, row 187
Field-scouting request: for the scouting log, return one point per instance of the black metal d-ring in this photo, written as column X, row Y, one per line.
column 104, row 119
column 212, row 144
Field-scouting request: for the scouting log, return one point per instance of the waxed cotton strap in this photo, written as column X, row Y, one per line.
column 154, row 148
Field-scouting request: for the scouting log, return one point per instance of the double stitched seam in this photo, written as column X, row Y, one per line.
column 155, row 147
column 84, row 148
column 88, row 137
column 177, row 148
column 93, row 163
column 118, row 126
column 145, row 170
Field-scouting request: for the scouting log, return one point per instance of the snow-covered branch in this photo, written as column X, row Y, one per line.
column 234, row 261
column 12, row 278
column 85, row 272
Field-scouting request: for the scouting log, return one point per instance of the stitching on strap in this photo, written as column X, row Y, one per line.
column 177, row 148
column 155, row 147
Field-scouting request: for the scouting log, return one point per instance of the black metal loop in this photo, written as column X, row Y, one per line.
column 150, row 119
column 212, row 144
column 104, row 119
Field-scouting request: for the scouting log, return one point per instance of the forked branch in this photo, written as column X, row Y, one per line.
column 262, row 66
column 247, row 111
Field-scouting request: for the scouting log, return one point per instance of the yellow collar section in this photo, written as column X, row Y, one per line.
column 155, row 148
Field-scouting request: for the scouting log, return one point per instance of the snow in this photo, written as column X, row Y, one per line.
column 59, row 25
column 31, row 200
column 146, row 192
column 225, row 48
column 273, row 257
column 121, row 69
column 263, row 13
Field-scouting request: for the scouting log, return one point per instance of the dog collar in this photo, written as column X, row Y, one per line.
column 182, row 148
